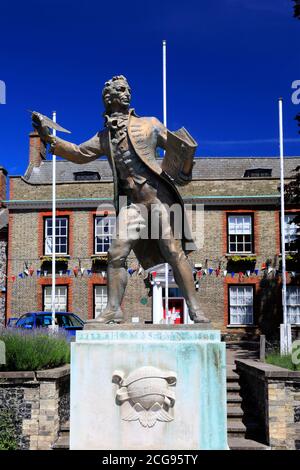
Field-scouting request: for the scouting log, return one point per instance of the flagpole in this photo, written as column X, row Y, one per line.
column 285, row 328
column 53, row 228
column 164, row 45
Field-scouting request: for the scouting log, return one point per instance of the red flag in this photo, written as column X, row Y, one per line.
column 75, row 271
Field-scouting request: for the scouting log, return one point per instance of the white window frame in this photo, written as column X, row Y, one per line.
column 58, row 237
column 100, row 299
column 240, row 226
column 293, row 304
column 61, row 298
column 241, row 305
column 290, row 229
column 109, row 223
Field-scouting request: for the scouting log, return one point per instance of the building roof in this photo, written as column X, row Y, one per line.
column 212, row 168
column 235, row 167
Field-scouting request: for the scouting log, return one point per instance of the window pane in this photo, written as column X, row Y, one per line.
column 60, row 298
column 290, row 231
column 240, row 234
column 241, row 305
column 61, row 239
column 240, row 224
column 293, row 304
column 100, row 296
column 104, row 230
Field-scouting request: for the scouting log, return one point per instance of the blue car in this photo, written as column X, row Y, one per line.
column 68, row 321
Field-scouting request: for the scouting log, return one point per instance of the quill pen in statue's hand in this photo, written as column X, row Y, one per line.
column 47, row 121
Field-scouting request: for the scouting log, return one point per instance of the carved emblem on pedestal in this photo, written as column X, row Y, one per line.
column 149, row 392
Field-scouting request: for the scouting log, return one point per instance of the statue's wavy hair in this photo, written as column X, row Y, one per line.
column 108, row 88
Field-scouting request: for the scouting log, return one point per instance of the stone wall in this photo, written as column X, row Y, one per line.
column 21, row 190
column 271, row 395
column 238, row 187
column 3, row 261
column 39, row 404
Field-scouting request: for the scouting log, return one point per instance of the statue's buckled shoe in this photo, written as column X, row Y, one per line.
column 110, row 317
column 199, row 317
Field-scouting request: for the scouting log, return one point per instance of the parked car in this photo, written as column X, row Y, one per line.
column 66, row 320
column 12, row 321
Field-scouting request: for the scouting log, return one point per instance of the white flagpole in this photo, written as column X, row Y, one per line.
column 53, row 229
column 285, row 328
column 165, row 124
column 165, row 82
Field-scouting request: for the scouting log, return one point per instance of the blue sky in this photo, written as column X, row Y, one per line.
column 228, row 62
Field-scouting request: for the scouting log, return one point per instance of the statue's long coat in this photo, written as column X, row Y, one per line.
column 145, row 134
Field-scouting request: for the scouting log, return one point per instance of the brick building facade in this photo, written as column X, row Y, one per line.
column 241, row 234
column 3, row 244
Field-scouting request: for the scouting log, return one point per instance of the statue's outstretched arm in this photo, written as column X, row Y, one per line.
column 83, row 153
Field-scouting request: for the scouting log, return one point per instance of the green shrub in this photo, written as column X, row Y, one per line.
column 282, row 361
column 7, row 431
column 34, row 350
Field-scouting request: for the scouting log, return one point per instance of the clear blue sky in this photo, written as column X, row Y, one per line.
column 228, row 62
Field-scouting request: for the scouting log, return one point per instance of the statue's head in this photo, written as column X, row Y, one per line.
column 116, row 94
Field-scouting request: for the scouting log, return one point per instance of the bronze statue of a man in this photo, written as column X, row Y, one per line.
column 130, row 143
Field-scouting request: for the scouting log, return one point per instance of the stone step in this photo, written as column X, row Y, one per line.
column 235, row 413
column 234, row 443
column 233, row 387
column 237, row 443
column 234, row 398
column 232, row 376
column 62, row 443
column 235, row 428
column 65, row 427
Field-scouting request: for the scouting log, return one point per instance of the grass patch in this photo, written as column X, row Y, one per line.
column 34, row 350
column 8, row 440
column 282, row 361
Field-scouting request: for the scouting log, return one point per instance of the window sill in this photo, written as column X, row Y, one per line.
column 57, row 255
column 100, row 256
column 103, row 253
column 229, row 255
column 241, row 326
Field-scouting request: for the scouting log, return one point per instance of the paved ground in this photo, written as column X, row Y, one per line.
column 241, row 350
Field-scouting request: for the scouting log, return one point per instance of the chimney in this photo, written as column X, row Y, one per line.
column 37, row 149
column 3, row 175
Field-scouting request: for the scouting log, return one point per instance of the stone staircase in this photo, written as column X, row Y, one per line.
column 242, row 434
column 63, row 441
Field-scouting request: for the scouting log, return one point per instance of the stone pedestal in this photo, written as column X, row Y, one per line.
column 148, row 387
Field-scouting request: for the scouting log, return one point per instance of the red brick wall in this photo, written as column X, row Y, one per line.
column 2, row 186
column 9, row 273
column 36, row 149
